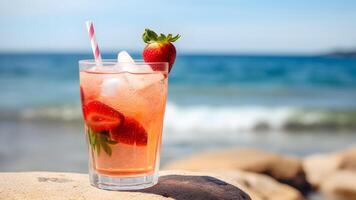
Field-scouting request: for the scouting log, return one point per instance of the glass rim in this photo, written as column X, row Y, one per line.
column 114, row 62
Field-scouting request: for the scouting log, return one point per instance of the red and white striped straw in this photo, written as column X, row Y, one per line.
column 93, row 42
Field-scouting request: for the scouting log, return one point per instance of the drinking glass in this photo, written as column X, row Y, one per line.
column 123, row 108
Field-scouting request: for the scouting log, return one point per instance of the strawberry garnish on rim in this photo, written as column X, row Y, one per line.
column 101, row 117
column 159, row 48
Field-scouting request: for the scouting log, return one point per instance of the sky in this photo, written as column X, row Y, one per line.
column 224, row 26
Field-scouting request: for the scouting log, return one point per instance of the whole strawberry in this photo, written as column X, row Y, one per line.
column 159, row 48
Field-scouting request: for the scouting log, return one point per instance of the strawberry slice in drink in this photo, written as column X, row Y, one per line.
column 130, row 132
column 101, row 117
column 81, row 94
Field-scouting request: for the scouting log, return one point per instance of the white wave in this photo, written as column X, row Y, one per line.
column 213, row 119
column 224, row 118
column 62, row 113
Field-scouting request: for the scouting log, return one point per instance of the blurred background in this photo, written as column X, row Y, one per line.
column 280, row 76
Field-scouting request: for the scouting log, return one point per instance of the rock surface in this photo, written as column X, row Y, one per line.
column 320, row 167
column 285, row 169
column 260, row 186
column 340, row 185
column 257, row 186
column 172, row 185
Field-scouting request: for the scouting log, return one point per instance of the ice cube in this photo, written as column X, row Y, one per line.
column 114, row 85
column 139, row 76
column 141, row 81
column 110, row 87
column 126, row 62
column 124, row 57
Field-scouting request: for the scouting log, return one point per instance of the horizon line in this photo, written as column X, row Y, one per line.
column 135, row 52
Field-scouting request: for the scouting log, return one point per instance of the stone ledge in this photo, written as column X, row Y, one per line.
column 340, row 185
column 285, row 169
column 178, row 185
column 320, row 166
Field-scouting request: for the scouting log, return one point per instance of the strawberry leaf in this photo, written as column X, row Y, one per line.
column 112, row 142
column 161, row 38
column 106, row 148
column 150, row 36
column 98, row 148
column 100, row 140
column 175, row 38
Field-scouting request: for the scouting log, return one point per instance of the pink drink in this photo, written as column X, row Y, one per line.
column 123, row 113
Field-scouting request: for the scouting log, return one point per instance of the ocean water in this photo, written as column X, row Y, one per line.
column 297, row 105
column 221, row 92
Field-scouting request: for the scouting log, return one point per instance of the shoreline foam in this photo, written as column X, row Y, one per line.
column 207, row 118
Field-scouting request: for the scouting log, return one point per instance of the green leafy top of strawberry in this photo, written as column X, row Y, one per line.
column 150, row 36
